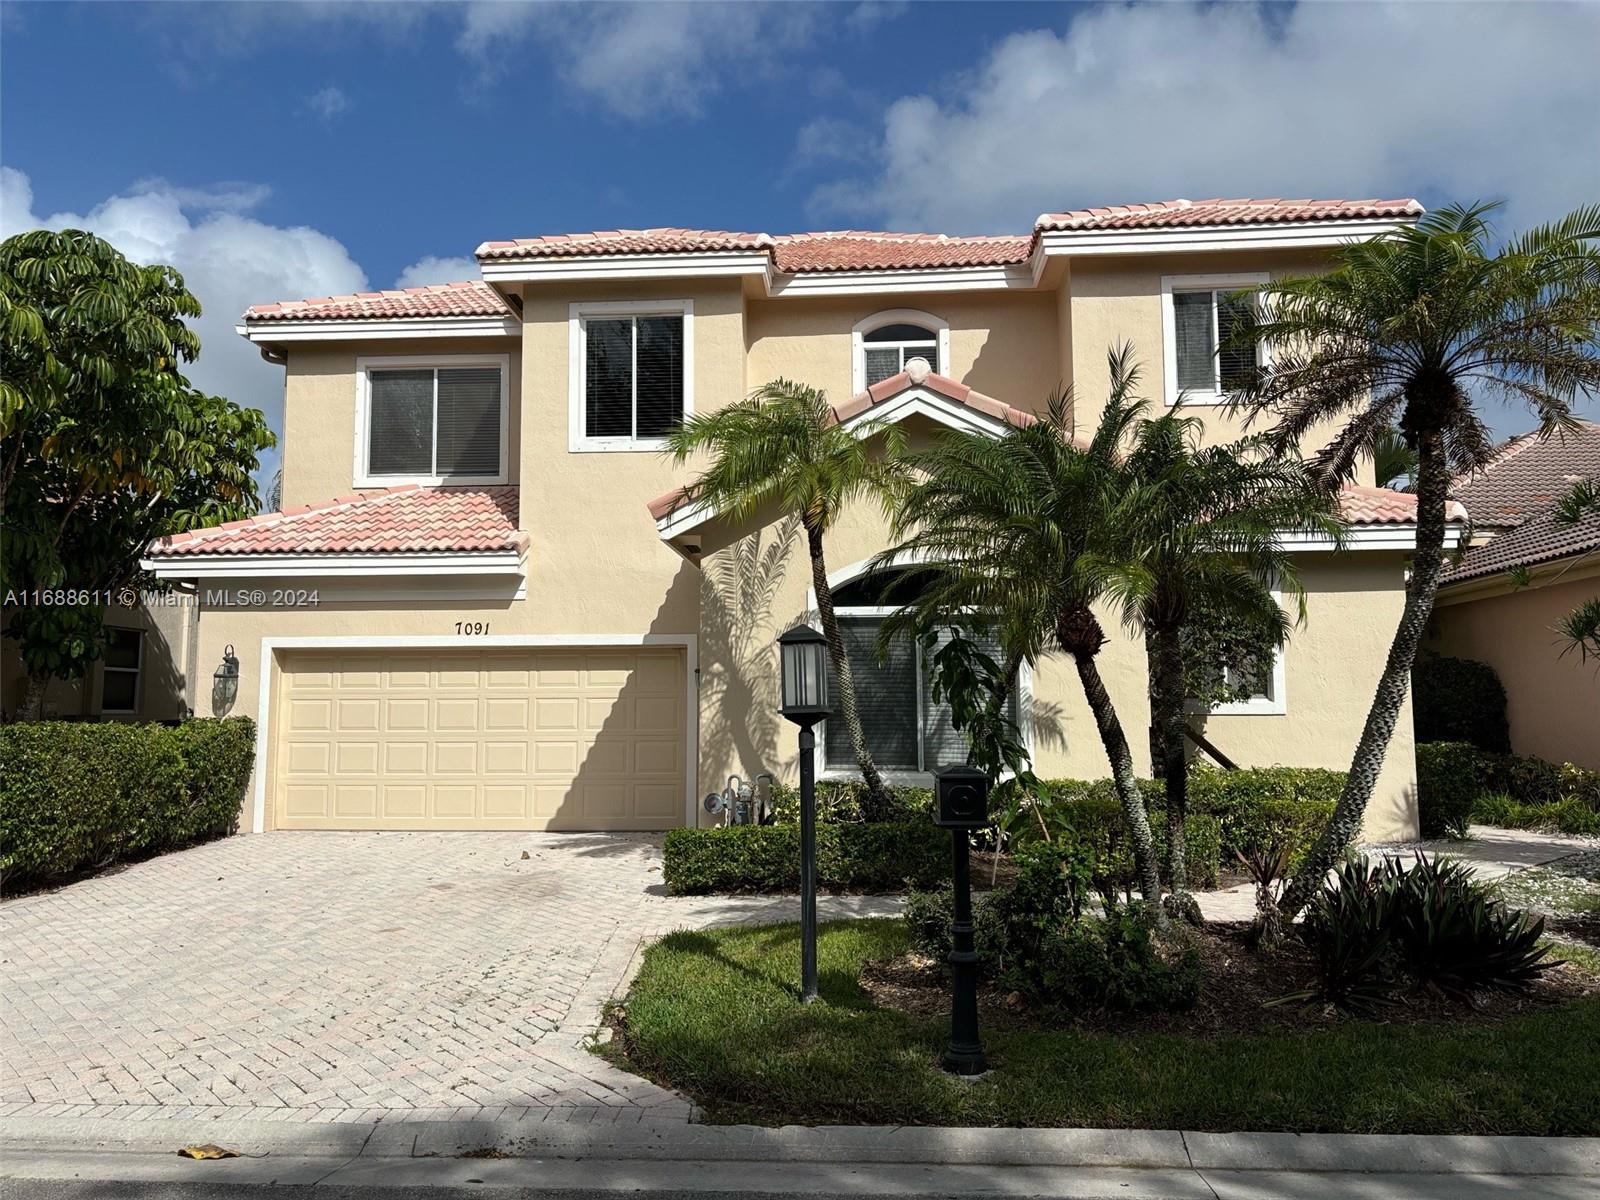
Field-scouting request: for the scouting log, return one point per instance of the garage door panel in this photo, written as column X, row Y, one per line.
column 494, row 739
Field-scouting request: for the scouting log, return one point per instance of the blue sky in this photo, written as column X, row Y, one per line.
column 276, row 150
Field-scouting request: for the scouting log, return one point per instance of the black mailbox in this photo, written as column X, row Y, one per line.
column 960, row 798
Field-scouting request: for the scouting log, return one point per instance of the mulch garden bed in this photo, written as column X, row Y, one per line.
column 1236, row 984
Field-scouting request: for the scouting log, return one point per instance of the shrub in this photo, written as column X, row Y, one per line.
column 1090, row 816
column 1459, row 700
column 1447, row 784
column 1118, row 963
column 839, row 802
column 1571, row 815
column 1526, row 779
column 1452, row 934
column 928, row 915
column 75, row 795
column 766, row 858
column 1376, row 924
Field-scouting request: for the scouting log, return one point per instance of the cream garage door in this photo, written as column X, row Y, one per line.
column 490, row 739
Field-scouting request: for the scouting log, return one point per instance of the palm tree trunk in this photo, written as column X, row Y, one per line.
column 32, row 706
column 875, row 807
column 1432, row 491
column 1116, row 745
column 1166, row 703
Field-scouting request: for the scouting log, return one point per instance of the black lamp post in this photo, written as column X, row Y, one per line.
column 961, row 804
column 803, row 654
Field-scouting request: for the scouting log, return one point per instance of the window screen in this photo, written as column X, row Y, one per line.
column 1192, row 329
column 886, row 700
column 1234, row 363
column 633, row 382
column 942, row 744
column 430, row 421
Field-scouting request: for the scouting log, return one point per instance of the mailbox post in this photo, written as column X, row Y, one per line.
column 961, row 804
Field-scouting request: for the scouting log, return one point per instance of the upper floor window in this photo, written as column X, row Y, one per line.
column 119, row 674
column 1201, row 314
column 432, row 420
column 886, row 341
column 631, row 370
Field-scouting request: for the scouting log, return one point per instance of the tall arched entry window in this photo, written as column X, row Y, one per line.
column 909, row 734
column 886, row 341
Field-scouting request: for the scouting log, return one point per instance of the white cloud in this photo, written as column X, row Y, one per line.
column 872, row 13
column 433, row 269
column 1154, row 102
column 228, row 259
column 327, row 103
column 641, row 60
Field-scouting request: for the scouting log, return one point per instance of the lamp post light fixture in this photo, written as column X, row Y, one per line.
column 225, row 684
column 961, row 804
column 803, row 699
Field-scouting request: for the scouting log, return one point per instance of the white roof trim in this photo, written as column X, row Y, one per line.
column 1286, row 235
column 592, row 267
column 299, row 566
column 1369, row 537
column 378, row 327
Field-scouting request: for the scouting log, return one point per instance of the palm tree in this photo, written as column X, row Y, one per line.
column 1394, row 464
column 1401, row 334
column 783, row 448
column 1026, row 528
column 1206, row 537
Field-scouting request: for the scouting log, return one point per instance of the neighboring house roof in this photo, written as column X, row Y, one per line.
column 398, row 520
column 1168, row 214
column 471, row 298
column 1528, row 473
column 1383, row 506
column 856, row 250
column 1540, row 538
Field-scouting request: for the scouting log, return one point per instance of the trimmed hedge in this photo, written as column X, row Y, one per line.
column 766, row 858
column 1459, row 700
column 1098, row 823
column 1447, row 784
column 75, row 795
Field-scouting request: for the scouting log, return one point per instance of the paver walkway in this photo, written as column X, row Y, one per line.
column 343, row 977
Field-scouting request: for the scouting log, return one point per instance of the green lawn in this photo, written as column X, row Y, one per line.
column 715, row 1015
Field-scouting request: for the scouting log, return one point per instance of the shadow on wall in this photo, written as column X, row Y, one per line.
column 739, row 668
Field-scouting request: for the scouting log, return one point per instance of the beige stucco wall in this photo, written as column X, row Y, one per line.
column 1552, row 702
column 1331, row 668
column 1001, row 343
column 1118, row 298
column 162, row 673
column 319, row 408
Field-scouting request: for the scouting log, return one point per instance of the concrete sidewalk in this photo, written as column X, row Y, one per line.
column 396, row 1157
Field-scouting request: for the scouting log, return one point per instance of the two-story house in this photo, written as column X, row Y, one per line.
column 484, row 604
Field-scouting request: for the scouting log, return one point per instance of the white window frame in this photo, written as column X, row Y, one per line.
column 1274, row 704
column 578, row 316
column 365, row 477
column 895, row 316
column 137, row 671
column 1169, row 331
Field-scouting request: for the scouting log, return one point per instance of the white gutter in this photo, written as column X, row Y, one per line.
column 301, row 566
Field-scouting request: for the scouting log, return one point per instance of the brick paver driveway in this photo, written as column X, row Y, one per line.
column 338, row 976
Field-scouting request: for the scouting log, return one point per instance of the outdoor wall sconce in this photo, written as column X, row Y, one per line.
column 225, row 684
column 961, row 804
column 803, row 699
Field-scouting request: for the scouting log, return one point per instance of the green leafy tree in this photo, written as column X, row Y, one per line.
column 784, row 449
column 104, row 445
column 1203, row 541
column 1027, row 531
column 1402, row 334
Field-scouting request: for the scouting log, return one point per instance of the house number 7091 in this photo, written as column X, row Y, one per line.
column 472, row 628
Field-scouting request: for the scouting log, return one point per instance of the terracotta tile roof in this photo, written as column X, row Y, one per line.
column 625, row 241
column 1382, row 506
column 857, row 250
column 470, row 298
column 1179, row 213
column 1528, row 473
column 397, row 520
column 1539, row 538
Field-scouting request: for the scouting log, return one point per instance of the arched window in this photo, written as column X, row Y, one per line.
column 886, row 341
